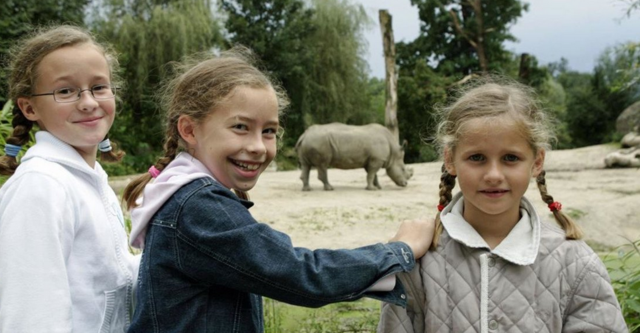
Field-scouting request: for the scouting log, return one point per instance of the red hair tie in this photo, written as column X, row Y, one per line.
column 555, row 206
column 440, row 207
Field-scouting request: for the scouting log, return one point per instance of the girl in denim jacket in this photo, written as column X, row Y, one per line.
column 65, row 264
column 494, row 266
column 206, row 261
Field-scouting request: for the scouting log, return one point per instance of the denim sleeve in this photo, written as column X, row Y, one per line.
column 220, row 243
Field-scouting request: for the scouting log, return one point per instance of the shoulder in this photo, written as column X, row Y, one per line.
column 203, row 188
column 573, row 257
column 39, row 174
column 205, row 194
column 553, row 242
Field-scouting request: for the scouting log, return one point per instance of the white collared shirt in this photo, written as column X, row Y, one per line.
column 519, row 247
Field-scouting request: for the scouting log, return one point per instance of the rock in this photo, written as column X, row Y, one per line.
column 629, row 119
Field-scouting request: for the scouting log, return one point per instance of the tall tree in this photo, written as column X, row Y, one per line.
column 20, row 17
column 465, row 36
column 149, row 34
column 338, row 75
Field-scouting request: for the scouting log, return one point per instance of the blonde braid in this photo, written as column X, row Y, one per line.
column 135, row 188
column 571, row 228
column 447, row 183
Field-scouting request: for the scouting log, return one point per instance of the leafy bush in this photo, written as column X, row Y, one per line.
column 624, row 269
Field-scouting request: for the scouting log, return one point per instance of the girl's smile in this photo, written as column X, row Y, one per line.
column 237, row 141
column 82, row 123
column 494, row 193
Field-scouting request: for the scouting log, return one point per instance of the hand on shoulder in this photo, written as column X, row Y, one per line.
column 417, row 234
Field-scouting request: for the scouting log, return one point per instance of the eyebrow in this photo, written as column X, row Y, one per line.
column 71, row 78
column 251, row 120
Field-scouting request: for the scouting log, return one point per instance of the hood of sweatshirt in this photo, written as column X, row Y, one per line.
column 55, row 150
column 182, row 170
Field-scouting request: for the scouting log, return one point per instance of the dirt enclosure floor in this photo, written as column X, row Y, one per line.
column 605, row 202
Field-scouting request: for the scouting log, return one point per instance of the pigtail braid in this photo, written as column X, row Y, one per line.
column 112, row 155
column 447, row 183
column 19, row 137
column 571, row 228
column 135, row 188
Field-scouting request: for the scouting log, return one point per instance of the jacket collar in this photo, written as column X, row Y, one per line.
column 179, row 172
column 519, row 247
column 52, row 149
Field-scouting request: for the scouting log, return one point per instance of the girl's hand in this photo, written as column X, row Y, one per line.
column 418, row 234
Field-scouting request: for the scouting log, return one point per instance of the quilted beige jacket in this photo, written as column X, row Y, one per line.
column 458, row 288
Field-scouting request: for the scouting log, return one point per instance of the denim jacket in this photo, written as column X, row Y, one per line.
column 207, row 262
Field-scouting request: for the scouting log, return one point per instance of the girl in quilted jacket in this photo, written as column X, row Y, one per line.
column 494, row 266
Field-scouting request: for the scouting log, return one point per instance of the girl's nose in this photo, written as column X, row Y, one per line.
column 87, row 102
column 256, row 145
column 494, row 173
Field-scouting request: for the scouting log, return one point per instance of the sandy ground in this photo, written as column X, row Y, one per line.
column 605, row 202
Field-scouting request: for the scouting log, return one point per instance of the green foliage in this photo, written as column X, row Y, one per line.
column 592, row 111
column 620, row 66
column 419, row 89
column 148, row 35
column 624, row 269
column 20, row 16
column 593, row 102
column 338, row 71
column 376, row 95
column 439, row 40
column 554, row 99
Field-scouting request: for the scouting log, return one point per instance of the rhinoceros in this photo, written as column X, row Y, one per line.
column 344, row 146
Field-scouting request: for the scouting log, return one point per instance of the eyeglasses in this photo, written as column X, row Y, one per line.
column 69, row 95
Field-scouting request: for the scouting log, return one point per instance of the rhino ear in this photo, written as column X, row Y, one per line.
column 404, row 145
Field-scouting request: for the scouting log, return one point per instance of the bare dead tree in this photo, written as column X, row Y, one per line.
column 391, row 94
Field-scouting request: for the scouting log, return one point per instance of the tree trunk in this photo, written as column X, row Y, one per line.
column 523, row 74
column 391, row 95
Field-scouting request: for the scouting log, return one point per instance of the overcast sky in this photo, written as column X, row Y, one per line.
column 578, row 30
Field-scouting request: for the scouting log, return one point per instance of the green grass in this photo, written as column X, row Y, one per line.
column 359, row 316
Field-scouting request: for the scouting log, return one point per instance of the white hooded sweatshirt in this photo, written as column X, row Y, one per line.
column 64, row 259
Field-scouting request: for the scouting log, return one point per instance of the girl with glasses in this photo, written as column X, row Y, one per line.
column 64, row 259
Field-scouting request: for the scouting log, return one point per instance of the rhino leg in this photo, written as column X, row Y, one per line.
column 375, row 182
column 372, row 179
column 304, row 176
column 322, row 175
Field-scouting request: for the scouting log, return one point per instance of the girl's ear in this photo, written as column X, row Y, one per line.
column 27, row 109
column 538, row 163
column 448, row 161
column 186, row 128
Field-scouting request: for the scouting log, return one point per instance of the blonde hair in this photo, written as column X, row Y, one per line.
column 24, row 60
column 490, row 98
column 197, row 88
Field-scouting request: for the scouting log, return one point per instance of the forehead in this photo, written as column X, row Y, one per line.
column 69, row 61
column 493, row 131
column 249, row 102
